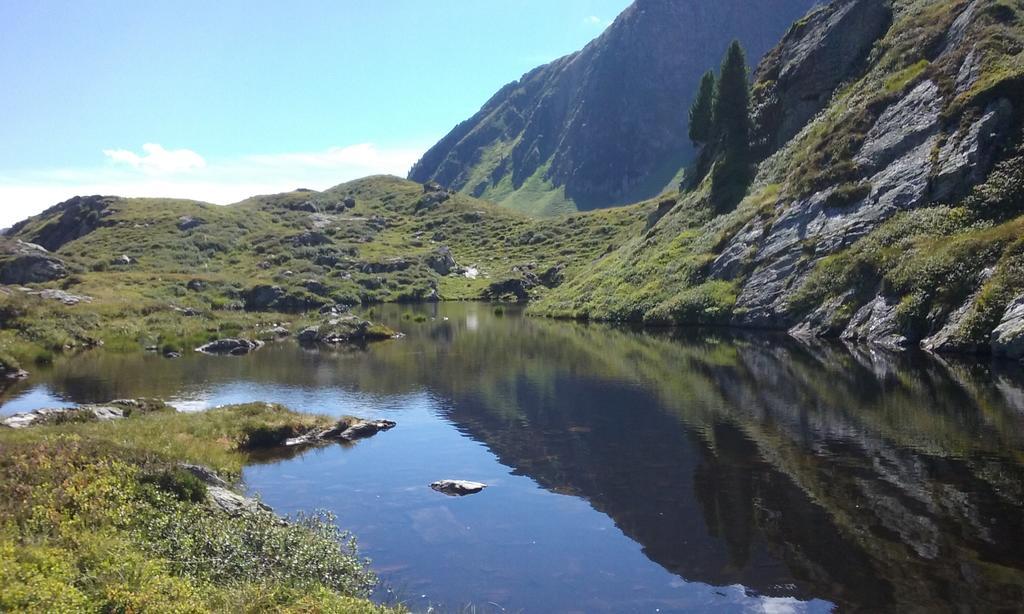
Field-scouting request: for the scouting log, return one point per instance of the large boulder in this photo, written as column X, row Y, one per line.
column 442, row 261
column 32, row 269
column 345, row 329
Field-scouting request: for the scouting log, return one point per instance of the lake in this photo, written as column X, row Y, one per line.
column 631, row 471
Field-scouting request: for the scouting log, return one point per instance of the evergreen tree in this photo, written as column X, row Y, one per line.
column 732, row 104
column 702, row 120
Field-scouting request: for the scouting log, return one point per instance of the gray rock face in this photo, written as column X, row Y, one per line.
column 901, row 127
column 458, row 488
column 1008, row 337
column 877, row 324
column 230, row 347
column 967, row 156
column 32, row 269
column 813, row 59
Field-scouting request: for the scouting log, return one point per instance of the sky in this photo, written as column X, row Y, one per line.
column 218, row 101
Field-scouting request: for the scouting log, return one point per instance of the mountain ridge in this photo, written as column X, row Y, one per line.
column 605, row 125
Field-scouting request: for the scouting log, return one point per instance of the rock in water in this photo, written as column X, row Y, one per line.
column 347, row 430
column 230, row 347
column 458, row 488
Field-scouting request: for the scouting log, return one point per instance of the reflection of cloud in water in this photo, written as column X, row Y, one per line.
column 437, row 525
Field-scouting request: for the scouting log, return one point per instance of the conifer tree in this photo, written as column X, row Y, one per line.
column 702, row 120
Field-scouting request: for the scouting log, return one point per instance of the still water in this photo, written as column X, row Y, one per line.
column 632, row 471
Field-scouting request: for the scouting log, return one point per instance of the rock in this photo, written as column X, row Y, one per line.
column 442, row 261
column 800, row 75
column 1008, row 336
column 79, row 216
column 349, row 202
column 316, row 287
column 277, row 332
column 876, row 324
column 902, row 127
column 234, row 504
column 553, row 277
column 196, row 285
column 345, row 329
column 664, row 206
column 11, row 374
column 310, row 239
column 114, row 410
column 967, row 156
column 457, row 488
column 275, row 298
column 206, row 475
column 516, row 289
column 187, row 222
column 59, row 295
column 347, row 430
column 32, row 267
column 393, row 265
column 122, row 260
column 230, row 347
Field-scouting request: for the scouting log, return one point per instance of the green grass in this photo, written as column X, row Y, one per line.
column 252, row 243
column 98, row 517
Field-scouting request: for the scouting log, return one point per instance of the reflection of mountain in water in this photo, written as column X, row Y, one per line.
column 871, row 480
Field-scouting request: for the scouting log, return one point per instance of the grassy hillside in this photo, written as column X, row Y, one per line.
column 191, row 268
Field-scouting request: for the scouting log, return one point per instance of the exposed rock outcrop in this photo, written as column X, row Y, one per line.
column 230, row 347
column 345, row 329
column 28, row 263
column 105, row 412
column 347, row 430
column 821, row 51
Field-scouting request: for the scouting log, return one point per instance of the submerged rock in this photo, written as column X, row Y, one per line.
column 230, row 347
column 347, row 430
column 458, row 488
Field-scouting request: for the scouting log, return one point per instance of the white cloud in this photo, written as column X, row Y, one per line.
column 184, row 173
column 594, row 20
column 157, row 160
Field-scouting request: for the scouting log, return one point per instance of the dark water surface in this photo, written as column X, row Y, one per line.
column 634, row 471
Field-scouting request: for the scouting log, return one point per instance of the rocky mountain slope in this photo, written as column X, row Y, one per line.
column 607, row 125
column 887, row 207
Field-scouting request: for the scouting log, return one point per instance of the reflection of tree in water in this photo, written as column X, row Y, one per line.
column 872, row 480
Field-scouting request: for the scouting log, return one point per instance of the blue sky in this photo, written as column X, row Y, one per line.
column 220, row 100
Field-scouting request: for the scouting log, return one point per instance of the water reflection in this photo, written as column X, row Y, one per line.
column 637, row 470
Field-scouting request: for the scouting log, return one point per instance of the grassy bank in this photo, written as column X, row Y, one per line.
column 99, row 517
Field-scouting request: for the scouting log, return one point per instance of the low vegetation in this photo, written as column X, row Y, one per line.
column 99, row 517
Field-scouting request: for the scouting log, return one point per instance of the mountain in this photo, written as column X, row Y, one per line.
column 607, row 125
column 888, row 204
